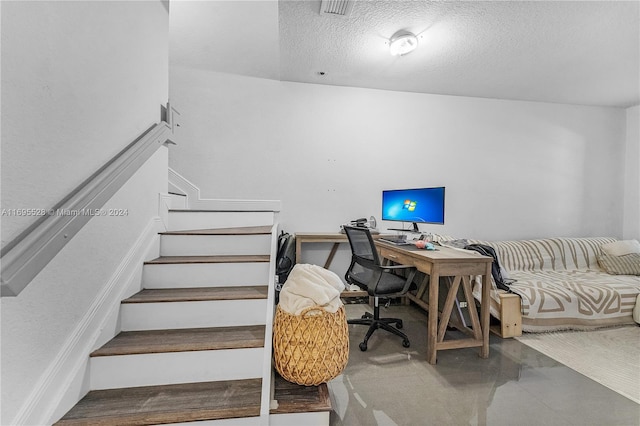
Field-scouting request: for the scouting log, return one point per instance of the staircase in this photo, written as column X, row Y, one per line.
column 195, row 344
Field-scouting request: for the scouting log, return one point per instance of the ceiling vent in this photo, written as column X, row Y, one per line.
column 339, row 8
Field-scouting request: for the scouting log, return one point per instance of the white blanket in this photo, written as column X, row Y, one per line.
column 311, row 285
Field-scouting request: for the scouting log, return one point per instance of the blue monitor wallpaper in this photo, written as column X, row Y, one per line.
column 421, row 205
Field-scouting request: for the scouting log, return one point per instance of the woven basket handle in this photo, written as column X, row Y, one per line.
column 305, row 311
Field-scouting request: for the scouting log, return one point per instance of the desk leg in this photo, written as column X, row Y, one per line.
column 298, row 250
column 332, row 253
column 484, row 311
column 422, row 287
column 432, row 318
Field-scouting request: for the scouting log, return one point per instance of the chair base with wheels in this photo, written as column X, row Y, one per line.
column 375, row 322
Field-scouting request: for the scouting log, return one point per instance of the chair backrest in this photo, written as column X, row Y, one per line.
column 363, row 248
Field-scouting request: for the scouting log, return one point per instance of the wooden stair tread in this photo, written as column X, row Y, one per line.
column 293, row 398
column 168, row 403
column 198, row 294
column 208, row 259
column 179, row 340
column 247, row 230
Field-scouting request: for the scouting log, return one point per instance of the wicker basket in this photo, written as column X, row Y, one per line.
column 310, row 348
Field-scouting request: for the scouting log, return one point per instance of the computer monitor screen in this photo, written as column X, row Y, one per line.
column 421, row 205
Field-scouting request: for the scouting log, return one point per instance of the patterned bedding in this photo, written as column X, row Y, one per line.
column 561, row 285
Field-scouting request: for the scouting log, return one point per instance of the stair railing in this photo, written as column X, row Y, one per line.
column 267, row 365
column 27, row 254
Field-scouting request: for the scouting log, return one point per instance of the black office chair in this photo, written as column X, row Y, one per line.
column 367, row 272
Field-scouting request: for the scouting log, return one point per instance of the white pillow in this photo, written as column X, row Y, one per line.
column 620, row 248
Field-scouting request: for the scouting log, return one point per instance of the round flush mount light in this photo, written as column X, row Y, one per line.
column 402, row 42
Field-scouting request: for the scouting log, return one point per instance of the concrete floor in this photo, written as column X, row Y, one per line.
column 516, row 385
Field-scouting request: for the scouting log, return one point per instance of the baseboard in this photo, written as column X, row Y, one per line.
column 65, row 381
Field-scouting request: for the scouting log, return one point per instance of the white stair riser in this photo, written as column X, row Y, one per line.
column 189, row 220
column 178, row 201
column 296, row 419
column 205, row 275
column 121, row 371
column 293, row 419
column 172, row 315
column 213, row 245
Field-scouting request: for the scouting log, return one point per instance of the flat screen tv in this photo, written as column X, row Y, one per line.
column 419, row 205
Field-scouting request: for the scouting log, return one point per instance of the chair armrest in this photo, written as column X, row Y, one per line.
column 412, row 273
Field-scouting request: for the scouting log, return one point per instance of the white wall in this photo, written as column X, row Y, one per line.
column 511, row 169
column 80, row 80
column 632, row 176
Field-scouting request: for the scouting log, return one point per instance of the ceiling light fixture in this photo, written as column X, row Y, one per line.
column 402, row 42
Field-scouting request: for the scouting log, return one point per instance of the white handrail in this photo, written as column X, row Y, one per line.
column 26, row 255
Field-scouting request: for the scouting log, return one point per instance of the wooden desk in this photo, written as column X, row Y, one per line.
column 317, row 237
column 322, row 237
column 447, row 262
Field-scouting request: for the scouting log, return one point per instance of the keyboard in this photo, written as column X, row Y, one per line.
column 397, row 240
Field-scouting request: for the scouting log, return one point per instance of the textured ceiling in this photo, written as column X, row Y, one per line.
column 584, row 53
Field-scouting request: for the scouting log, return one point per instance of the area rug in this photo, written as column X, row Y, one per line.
column 609, row 356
